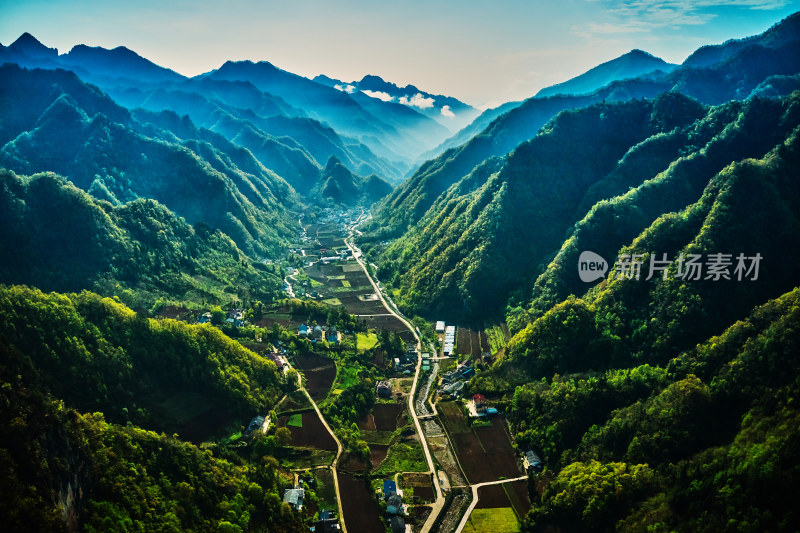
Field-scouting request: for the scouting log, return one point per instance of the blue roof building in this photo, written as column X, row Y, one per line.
column 389, row 488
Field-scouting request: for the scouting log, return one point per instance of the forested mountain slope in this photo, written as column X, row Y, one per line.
column 631, row 65
column 57, row 237
column 734, row 74
column 65, row 465
column 498, row 229
column 71, row 128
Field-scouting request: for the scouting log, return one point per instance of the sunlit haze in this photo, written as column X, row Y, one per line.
column 484, row 53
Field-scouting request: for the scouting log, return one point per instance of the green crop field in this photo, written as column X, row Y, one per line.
column 501, row 520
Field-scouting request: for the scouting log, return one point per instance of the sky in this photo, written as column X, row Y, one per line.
column 482, row 52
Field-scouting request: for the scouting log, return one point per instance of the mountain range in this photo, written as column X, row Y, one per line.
column 448, row 111
column 660, row 395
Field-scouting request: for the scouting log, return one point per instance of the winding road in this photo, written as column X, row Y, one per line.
column 339, row 447
column 437, row 505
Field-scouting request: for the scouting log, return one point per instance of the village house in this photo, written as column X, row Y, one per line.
column 453, row 389
column 333, row 336
column 394, row 505
column 384, row 389
column 255, row 424
column 532, row 462
column 398, row 524
column 302, row 331
column 294, row 497
column 389, row 488
column 480, row 402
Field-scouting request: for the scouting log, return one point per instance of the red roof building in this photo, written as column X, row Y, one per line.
column 479, row 400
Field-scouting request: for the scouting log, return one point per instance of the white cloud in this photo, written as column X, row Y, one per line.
column 349, row 89
column 646, row 15
column 380, row 95
column 446, row 111
column 417, row 101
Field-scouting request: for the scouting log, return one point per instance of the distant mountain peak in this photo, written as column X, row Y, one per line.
column 629, row 65
column 31, row 46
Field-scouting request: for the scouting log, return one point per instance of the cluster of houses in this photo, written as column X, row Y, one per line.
column 408, row 361
column 327, row 522
column 344, row 255
column 453, row 381
column 395, row 509
column 449, row 337
column 318, row 333
column 478, row 407
column 235, row 318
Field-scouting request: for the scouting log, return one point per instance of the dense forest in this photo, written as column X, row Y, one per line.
column 94, row 401
column 661, row 396
column 663, row 401
column 66, row 240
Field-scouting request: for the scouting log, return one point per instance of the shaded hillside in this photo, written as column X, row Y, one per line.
column 483, row 238
column 343, row 187
column 57, row 237
column 83, row 376
column 734, row 76
column 241, row 112
column 707, row 441
column 71, row 128
column 472, row 129
column 391, row 131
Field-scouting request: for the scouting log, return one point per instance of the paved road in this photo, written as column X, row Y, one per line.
column 439, row 503
column 474, row 503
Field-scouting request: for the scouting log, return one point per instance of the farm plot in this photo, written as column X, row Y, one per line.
column 319, row 374
column 294, row 401
column 421, row 486
column 500, row 520
column 378, row 453
column 485, row 346
column 485, row 453
column 310, row 434
column 500, row 455
column 326, row 492
column 468, row 342
column 388, row 416
column 357, row 303
column 508, row 495
column 360, row 511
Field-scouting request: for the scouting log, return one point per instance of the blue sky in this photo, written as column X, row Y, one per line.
column 483, row 52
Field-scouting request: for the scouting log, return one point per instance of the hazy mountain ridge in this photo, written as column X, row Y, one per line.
column 75, row 130
column 448, row 111
column 631, row 65
column 735, row 76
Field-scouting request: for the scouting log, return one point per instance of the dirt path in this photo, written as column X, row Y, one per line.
column 339, row 448
column 474, row 503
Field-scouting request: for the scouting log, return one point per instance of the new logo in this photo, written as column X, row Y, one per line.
column 591, row 266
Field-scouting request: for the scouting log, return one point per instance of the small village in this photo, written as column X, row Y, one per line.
column 457, row 422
